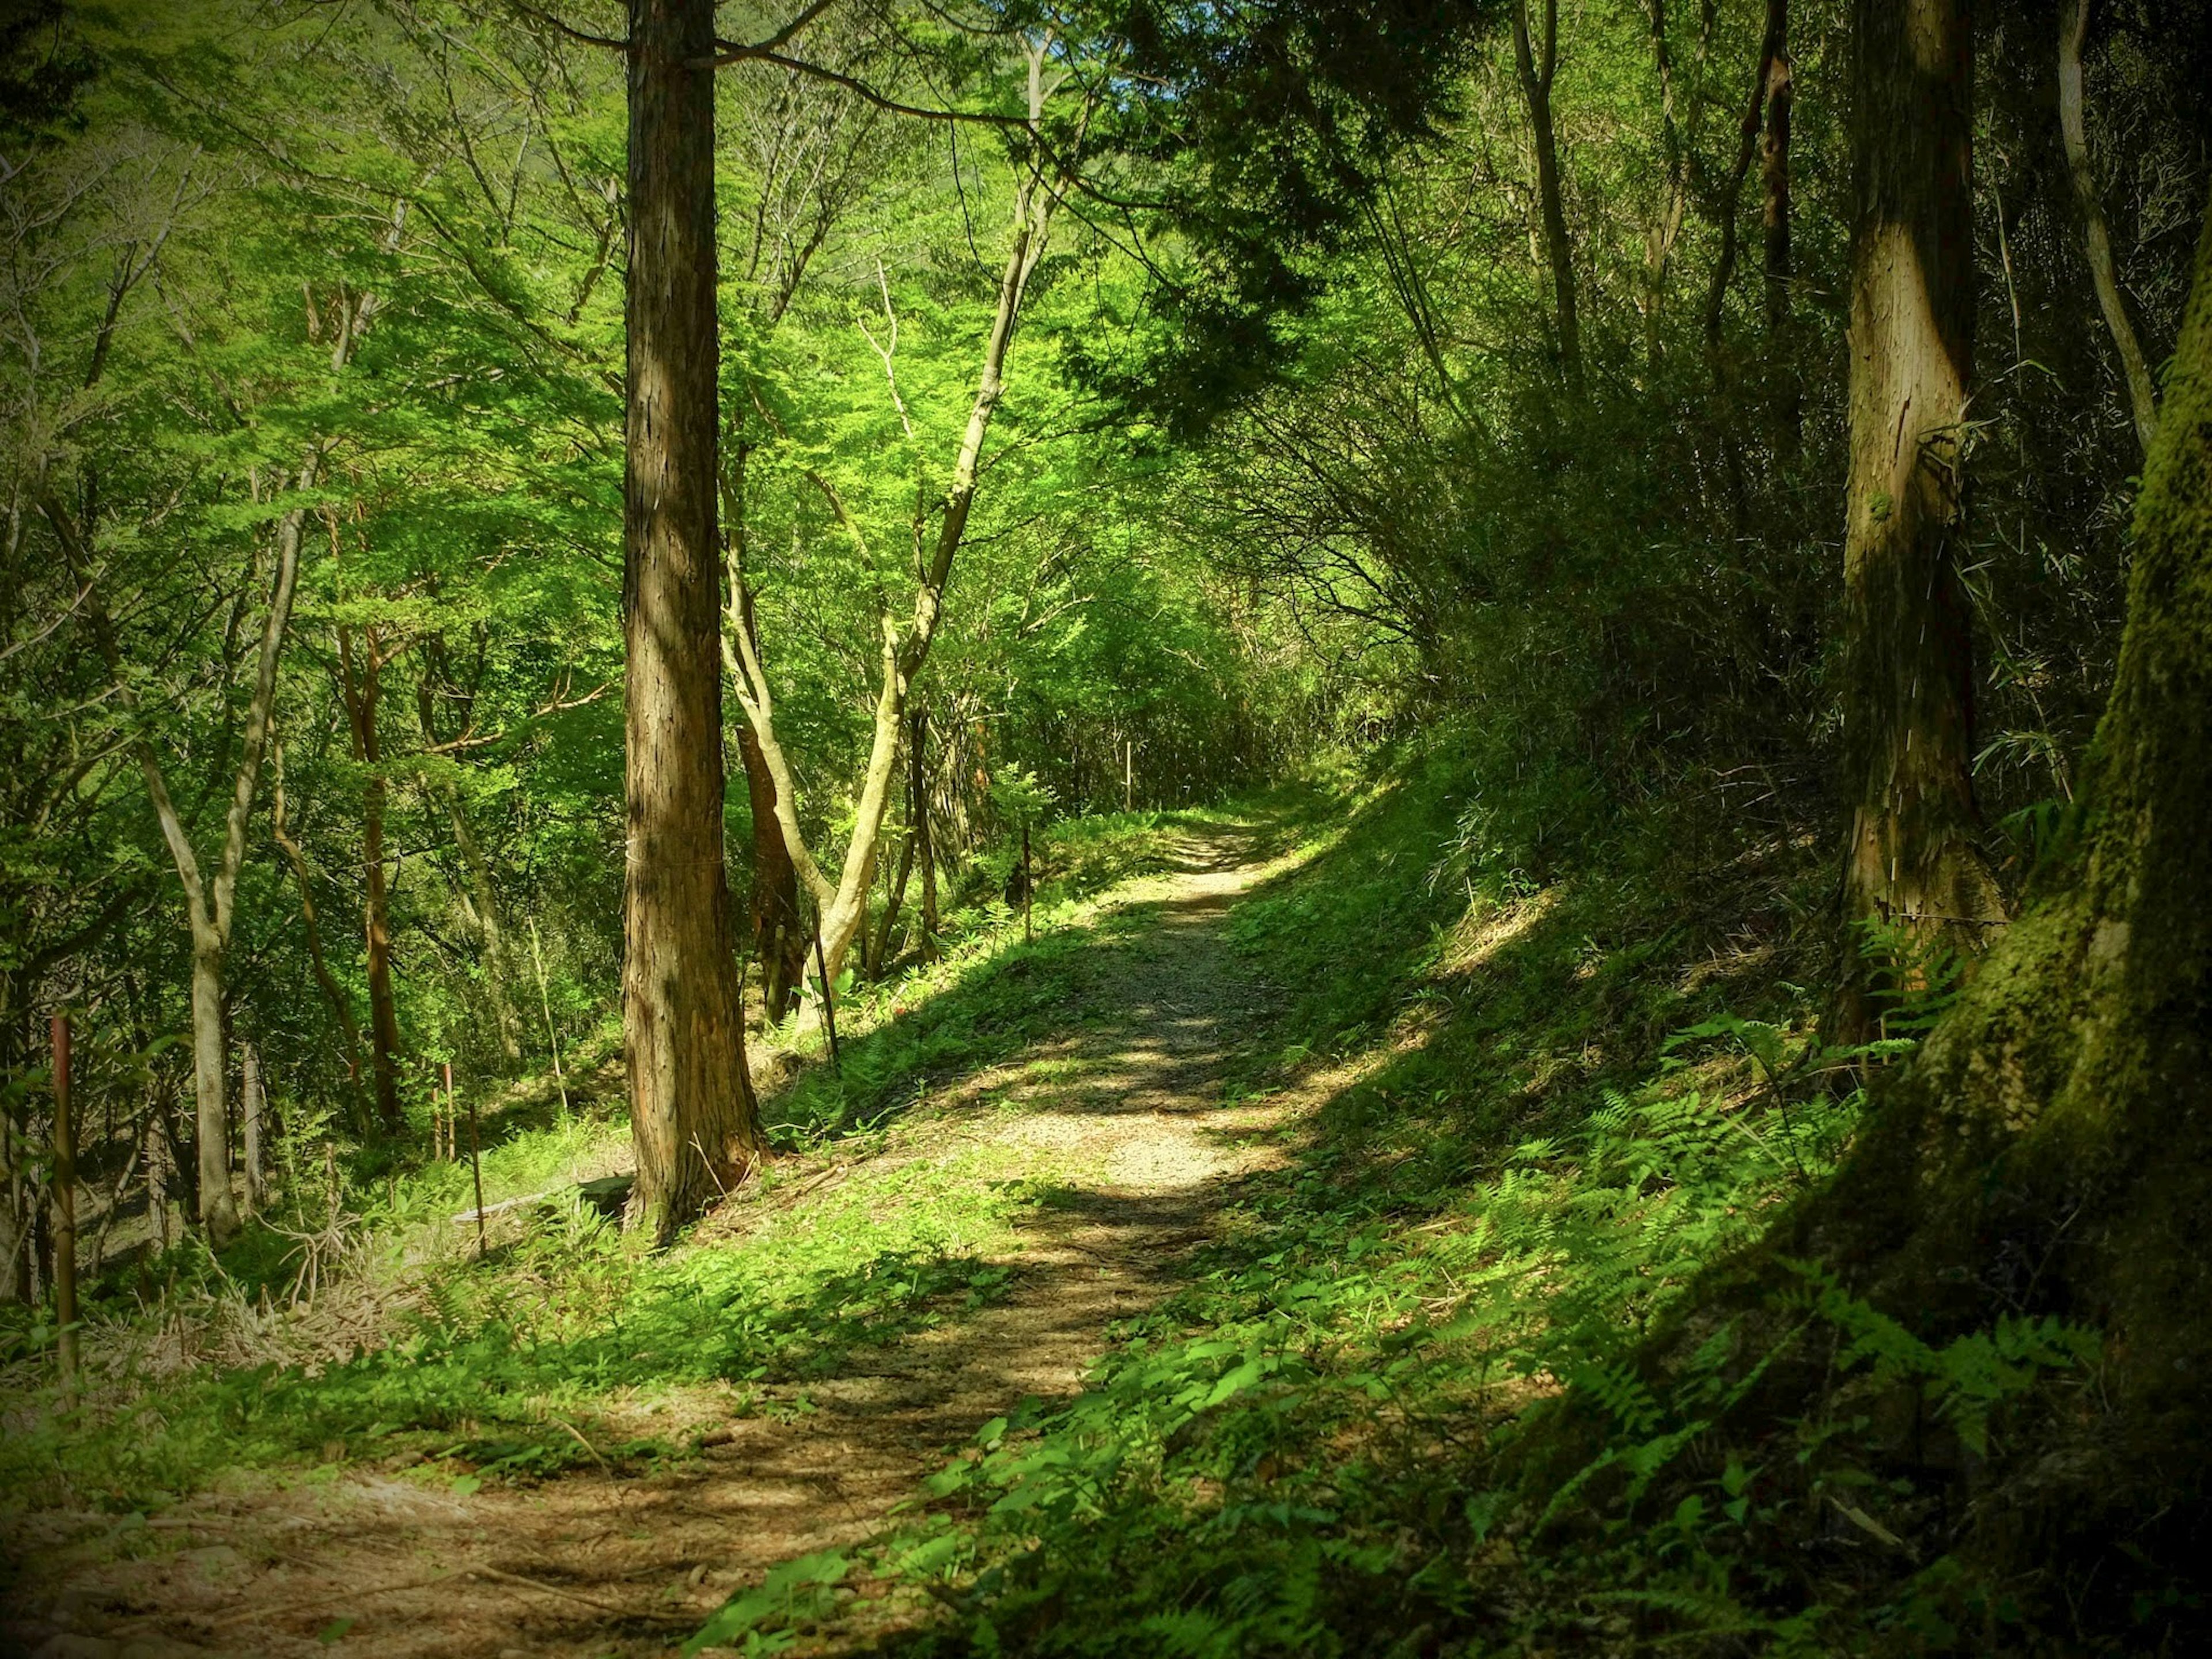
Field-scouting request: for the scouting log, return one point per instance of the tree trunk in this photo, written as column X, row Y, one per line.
column 2050, row 1153
column 479, row 895
column 491, row 929
column 893, row 903
column 779, row 926
column 1911, row 861
column 210, row 1091
column 692, row 1113
column 157, row 1174
column 1784, row 386
column 1773, row 47
column 1537, row 62
column 2097, row 242
column 841, row 907
column 252, row 1108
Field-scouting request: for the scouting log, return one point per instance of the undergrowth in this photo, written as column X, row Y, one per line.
column 355, row 1322
column 1408, row 1402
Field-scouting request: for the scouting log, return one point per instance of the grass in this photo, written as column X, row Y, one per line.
column 1454, row 1377
column 355, row 1322
column 1409, row 1403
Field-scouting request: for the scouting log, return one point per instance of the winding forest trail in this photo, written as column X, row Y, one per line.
column 1121, row 1102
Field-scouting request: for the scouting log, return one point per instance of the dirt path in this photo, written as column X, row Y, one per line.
column 1128, row 1092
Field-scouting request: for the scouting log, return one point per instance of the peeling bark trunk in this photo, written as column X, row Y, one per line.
column 1913, row 859
column 693, row 1116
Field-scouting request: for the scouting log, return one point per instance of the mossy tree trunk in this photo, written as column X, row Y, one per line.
column 2051, row 1151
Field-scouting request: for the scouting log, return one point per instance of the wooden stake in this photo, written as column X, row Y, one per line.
column 476, row 1162
column 257, row 1175
column 449, row 1102
column 828, row 1002
column 64, row 1201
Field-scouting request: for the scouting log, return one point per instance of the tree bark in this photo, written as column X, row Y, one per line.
column 918, row 816
column 693, row 1116
column 1911, row 860
column 491, row 929
column 894, row 902
column 253, row 1108
column 1773, row 44
column 1785, row 390
column 2050, row 1150
column 2097, row 242
column 1537, row 61
column 779, row 932
column 479, row 895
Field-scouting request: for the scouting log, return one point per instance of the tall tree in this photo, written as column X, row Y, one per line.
column 210, row 895
column 1537, row 62
column 693, row 1116
column 1786, row 396
column 1913, row 859
column 2060, row 1117
column 903, row 645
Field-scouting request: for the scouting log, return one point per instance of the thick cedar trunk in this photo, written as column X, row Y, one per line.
column 2050, row 1153
column 1911, row 860
column 693, row 1116
column 361, row 682
column 1537, row 62
column 779, row 925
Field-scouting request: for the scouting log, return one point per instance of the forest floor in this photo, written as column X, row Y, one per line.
column 1119, row 1121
